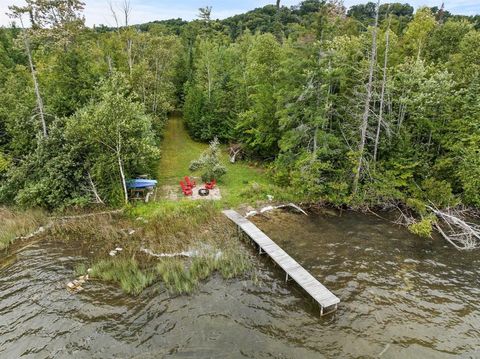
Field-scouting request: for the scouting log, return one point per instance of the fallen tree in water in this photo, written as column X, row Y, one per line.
column 449, row 223
column 459, row 233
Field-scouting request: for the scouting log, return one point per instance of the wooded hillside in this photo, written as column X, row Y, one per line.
column 376, row 105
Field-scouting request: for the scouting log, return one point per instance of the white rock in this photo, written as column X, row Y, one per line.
column 270, row 197
column 130, row 232
column 113, row 253
column 89, row 270
column 119, row 249
column 71, row 285
column 251, row 213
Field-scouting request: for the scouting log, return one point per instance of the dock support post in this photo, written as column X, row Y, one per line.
column 286, row 277
column 321, row 310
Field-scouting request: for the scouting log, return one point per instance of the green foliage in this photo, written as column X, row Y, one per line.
column 112, row 130
column 4, row 163
column 176, row 277
column 287, row 83
column 423, row 228
column 209, row 163
column 125, row 272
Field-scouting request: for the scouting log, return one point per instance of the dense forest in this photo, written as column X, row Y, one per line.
column 377, row 105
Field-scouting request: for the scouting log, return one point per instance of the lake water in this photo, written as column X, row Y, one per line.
column 401, row 297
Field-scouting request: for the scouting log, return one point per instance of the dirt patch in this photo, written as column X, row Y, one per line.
column 214, row 195
column 174, row 193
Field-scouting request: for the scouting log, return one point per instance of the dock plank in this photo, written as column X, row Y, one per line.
column 293, row 269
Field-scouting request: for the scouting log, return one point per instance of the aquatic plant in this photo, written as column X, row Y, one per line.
column 80, row 269
column 124, row 271
column 176, row 277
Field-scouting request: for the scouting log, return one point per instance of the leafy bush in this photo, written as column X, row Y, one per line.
column 423, row 228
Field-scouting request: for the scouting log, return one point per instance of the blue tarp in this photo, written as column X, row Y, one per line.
column 141, row 183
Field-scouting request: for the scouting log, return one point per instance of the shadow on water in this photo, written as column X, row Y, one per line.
column 402, row 296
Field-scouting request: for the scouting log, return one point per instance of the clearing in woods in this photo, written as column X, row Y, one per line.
column 179, row 149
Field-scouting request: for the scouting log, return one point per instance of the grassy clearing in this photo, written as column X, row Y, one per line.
column 178, row 150
column 17, row 224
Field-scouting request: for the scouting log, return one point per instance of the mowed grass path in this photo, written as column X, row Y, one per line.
column 179, row 149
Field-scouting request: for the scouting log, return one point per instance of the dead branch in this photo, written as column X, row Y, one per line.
column 461, row 234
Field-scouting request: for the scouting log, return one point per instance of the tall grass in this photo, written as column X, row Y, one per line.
column 17, row 224
column 176, row 277
column 124, row 271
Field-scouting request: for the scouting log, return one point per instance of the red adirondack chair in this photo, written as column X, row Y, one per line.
column 191, row 184
column 211, row 185
column 187, row 191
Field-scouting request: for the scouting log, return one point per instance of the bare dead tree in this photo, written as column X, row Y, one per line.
column 382, row 94
column 234, row 151
column 458, row 232
column 126, row 8
column 366, row 111
column 98, row 199
column 17, row 14
column 114, row 15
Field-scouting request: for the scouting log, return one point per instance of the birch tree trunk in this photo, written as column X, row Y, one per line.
column 120, row 167
column 98, row 199
column 382, row 95
column 366, row 112
column 39, row 100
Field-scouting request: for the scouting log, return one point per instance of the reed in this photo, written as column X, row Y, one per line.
column 15, row 224
column 126, row 272
column 176, row 277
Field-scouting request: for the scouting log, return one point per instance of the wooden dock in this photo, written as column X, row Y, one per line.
column 327, row 300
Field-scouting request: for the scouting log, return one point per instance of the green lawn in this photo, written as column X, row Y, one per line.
column 179, row 149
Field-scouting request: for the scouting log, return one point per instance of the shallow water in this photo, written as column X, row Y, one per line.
column 401, row 296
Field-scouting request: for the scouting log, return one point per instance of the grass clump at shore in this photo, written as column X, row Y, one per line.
column 176, row 277
column 17, row 224
column 233, row 263
column 124, row 271
column 183, row 277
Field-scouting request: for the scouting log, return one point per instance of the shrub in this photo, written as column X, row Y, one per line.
column 423, row 228
column 209, row 163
